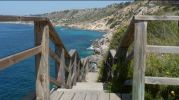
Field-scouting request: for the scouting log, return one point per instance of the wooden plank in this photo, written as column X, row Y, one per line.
column 56, row 95
column 56, row 39
column 140, row 41
column 61, row 72
column 79, row 95
column 56, row 58
column 54, row 81
column 91, row 95
column 146, row 17
column 75, row 69
column 162, row 49
column 13, row 59
column 69, row 81
column 21, row 18
column 72, row 52
column 161, row 80
column 67, row 95
column 104, row 96
column 38, row 40
column 42, row 79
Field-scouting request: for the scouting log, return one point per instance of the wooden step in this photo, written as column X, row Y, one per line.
column 88, row 86
column 71, row 94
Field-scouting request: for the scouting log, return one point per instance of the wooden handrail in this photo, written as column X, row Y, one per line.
column 149, row 18
column 138, row 28
column 56, row 58
column 70, row 61
column 56, row 40
column 13, row 59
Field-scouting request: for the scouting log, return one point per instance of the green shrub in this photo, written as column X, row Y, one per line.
column 161, row 65
column 114, row 43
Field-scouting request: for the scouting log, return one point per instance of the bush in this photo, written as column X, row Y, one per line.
column 161, row 65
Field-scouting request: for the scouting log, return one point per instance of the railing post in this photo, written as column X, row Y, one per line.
column 69, row 75
column 75, row 69
column 56, row 64
column 42, row 64
column 38, row 40
column 61, row 71
column 140, row 40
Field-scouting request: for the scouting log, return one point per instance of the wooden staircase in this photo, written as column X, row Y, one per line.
column 71, row 78
column 89, row 90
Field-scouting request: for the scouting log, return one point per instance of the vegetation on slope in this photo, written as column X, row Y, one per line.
column 164, row 65
column 84, row 15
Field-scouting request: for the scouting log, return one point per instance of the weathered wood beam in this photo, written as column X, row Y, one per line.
column 42, row 78
column 72, row 52
column 140, row 40
column 56, row 40
column 54, row 81
column 69, row 81
column 4, row 18
column 61, row 73
column 162, row 49
column 161, row 80
column 56, row 58
column 75, row 69
column 164, row 18
column 13, row 59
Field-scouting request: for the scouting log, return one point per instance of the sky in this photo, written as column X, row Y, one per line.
column 40, row 7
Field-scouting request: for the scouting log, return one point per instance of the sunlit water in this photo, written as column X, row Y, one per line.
column 18, row 80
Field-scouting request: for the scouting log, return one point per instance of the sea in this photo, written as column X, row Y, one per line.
column 18, row 80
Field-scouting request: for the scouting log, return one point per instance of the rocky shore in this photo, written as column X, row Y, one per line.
column 100, row 46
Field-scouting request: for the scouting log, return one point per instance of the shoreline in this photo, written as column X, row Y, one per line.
column 100, row 45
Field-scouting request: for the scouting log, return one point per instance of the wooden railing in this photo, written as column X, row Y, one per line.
column 122, row 55
column 141, row 49
column 136, row 34
column 69, row 67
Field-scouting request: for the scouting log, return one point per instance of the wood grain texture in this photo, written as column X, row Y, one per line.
column 79, row 96
column 162, row 49
column 56, row 58
column 56, row 95
column 147, row 18
column 68, row 95
column 37, row 41
column 61, row 74
column 54, row 81
column 13, row 59
column 140, row 40
column 161, row 80
column 42, row 80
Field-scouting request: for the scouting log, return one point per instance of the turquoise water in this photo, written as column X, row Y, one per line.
column 18, row 80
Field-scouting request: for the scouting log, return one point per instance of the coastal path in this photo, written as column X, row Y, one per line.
column 73, row 79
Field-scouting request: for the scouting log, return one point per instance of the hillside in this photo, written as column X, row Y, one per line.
column 161, row 65
column 114, row 20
